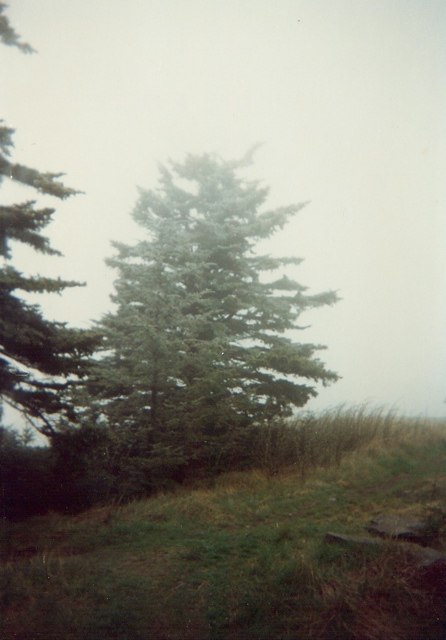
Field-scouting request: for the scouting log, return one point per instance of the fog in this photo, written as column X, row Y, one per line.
column 349, row 101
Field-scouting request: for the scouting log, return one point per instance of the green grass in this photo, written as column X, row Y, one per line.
column 245, row 558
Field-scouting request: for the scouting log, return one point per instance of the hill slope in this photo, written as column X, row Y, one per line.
column 243, row 559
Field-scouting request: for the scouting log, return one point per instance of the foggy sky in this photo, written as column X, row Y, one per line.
column 349, row 100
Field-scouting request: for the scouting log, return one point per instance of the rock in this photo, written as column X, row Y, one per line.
column 432, row 574
column 401, row 527
column 423, row 556
column 429, row 564
column 337, row 538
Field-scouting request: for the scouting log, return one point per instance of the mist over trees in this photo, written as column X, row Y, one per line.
column 8, row 36
column 192, row 372
column 196, row 356
column 36, row 356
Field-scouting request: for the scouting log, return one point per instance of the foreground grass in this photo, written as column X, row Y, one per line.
column 245, row 558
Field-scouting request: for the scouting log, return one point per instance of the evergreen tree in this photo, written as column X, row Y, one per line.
column 197, row 350
column 37, row 357
column 7, row 34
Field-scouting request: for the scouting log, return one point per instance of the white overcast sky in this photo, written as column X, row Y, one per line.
column 348, row 97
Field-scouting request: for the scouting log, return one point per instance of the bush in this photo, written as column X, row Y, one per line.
column 25, row 477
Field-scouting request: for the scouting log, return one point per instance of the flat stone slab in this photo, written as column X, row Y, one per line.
column 407, row 533
column 423, row 557
column 400, row 526
column 339, row 538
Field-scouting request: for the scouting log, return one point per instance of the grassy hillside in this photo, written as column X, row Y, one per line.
column 243, row 559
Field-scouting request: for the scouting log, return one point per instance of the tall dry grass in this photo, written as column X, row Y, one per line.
column 311, row 441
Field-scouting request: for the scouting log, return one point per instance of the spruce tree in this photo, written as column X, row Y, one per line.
column 197, row 349
column 37, row 357
column 7, row 34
